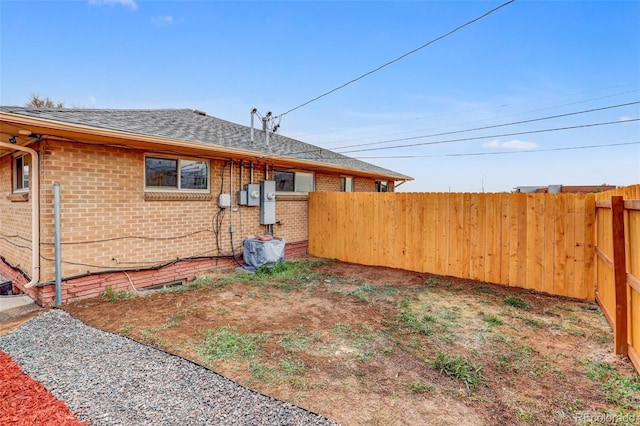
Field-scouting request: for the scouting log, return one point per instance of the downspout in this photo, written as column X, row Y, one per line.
column 56, row 227
column 35, row 211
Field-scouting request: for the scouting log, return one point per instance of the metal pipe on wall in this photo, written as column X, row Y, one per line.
column 56, row 239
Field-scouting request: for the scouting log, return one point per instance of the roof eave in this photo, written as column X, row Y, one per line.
column 13, row 123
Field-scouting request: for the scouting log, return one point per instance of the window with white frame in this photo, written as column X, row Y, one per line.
column 294, row 181
column 346, row 184
column 166, row 173
column 21, row 172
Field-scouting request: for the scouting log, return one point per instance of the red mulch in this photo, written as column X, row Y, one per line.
column 23, row 401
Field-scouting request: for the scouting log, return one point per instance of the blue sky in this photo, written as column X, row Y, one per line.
column 526, row 61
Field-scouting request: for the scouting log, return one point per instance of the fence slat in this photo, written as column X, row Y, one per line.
column 549, row 244
column 535, row 244
column 442, row 255
column 505, row 237
column 429, row 233
column 569, row 243
column 577, row 286
column 493, row 220
column 560, row 258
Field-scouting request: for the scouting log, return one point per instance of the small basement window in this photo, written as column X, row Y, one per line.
column 165, row 286
column 176, row 174
column 294, row 181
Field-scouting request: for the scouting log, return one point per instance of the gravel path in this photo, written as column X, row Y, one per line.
column 112, row 380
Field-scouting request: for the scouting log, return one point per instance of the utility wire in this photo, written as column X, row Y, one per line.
column 316, row 149
column 435, row 116
column 472, row 154
column 397, row 59
column 491, row 127
column 340, row 156
column 497, row 136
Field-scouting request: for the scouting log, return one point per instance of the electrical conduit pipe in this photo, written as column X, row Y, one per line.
column 34, row 183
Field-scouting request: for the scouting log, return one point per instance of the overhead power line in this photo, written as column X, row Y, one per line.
column 397, row 59
column 340, row 156
column 527, row 151
column 496, row 136
column 490, row 127
column 318, row 149
column 435, row 116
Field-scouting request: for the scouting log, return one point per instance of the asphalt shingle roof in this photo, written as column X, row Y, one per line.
column 191, row 126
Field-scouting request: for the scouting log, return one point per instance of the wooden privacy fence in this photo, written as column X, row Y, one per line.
column 618, row 267
column 543, row 242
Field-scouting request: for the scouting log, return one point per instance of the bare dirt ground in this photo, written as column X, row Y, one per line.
column 379, row 346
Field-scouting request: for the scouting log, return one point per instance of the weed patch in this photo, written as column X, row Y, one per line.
column 367, row 291
column 286, row 276
column 621, row 390
column 175, row 319
column 414, row 323
column 225, row 343
column 419, row 387
column 150, row 336
column 459, row 368
column 492, row 320
column 110, row 295
column 126, row 329
column 299, row 339
column 516, row 302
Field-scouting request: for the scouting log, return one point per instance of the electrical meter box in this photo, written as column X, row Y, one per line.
column 253, row 194
column 267, row 202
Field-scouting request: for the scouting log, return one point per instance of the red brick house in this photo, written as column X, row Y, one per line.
column 149, row 197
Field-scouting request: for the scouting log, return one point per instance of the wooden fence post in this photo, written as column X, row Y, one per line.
column 619, row 276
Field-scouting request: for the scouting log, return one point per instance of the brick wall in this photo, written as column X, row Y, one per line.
column 109, row 222
column 327, row 183
column 364, row 185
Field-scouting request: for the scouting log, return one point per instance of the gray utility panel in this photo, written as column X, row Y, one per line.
column 267, row 202
column 253, row 194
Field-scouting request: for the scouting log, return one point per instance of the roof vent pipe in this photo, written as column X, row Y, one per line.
column 253, row 113
column 265, row 127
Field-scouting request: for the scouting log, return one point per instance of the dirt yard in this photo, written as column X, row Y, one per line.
column 378, row 346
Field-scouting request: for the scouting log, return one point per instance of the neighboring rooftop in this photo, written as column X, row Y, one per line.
column 557, row 189
column 195, row 126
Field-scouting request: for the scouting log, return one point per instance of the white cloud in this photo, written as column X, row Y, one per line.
column 512, row 144
column 162, row 20
column 92, row 99
column 128, row 3
column 493, row 144
column 627, row 118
